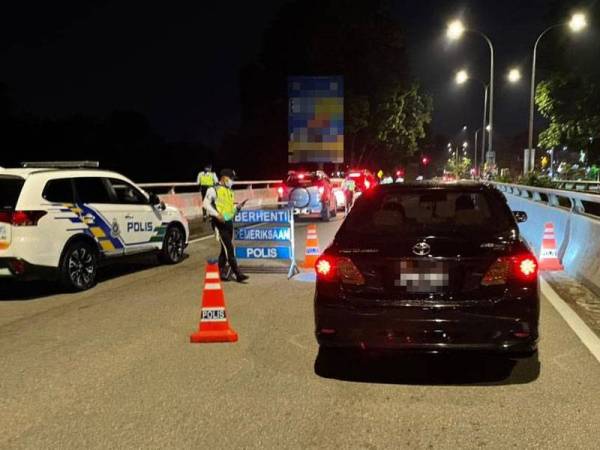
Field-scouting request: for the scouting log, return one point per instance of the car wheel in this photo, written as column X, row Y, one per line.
column 173, row 246
column 79, row 267
column 325, row 213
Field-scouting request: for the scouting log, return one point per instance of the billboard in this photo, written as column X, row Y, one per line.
column 316, row 119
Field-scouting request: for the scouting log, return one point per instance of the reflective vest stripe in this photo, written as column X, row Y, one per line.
column 225, row 203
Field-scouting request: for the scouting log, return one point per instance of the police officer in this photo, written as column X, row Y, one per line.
column 206, row 179
column 220, row 206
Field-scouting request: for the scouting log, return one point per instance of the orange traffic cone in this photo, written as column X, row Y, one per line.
column 548, row 259
column 214, row 325
column 311, row 253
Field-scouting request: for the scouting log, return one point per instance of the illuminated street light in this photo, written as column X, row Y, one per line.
column 461, row 77
column 514, row 75
column 464, row 128
column 465, row 144
column 578, row 22
column 455, row 30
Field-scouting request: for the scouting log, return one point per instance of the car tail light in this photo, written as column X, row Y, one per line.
column 280, row 191
column 521, row 267
column 367, row 184
column 526, row 267
column 331, row 268
column 26, row 218
column 17, row 266
column 5, row 217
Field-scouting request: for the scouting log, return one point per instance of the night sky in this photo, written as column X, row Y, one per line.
column 178, row 62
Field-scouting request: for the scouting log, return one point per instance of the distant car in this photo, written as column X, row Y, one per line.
column 363, row 179
column 337, row 185
column 310, row 194
column 61, row 223
column 429, row 267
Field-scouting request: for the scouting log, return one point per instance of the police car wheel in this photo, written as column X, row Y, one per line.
column 79, row 267
column 173, row 246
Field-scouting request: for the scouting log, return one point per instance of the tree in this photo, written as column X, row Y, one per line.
column 571, row 103
column 460, row 168
column 385, row 113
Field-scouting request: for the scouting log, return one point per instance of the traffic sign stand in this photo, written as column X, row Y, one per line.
column 273, row 231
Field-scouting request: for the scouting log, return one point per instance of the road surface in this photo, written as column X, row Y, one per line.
column 113, row 368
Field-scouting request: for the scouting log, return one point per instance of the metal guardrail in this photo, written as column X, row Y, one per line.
column 173, row 187
column 577, row 185
column 575, row 201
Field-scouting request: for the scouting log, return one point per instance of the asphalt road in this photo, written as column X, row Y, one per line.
column 113, row 368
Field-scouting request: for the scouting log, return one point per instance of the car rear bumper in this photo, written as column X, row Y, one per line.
column 425, row 330
column 11, row 267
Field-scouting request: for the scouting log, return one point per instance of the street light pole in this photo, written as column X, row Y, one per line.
column 577, row 23
column 532, row 87
column 491, row 89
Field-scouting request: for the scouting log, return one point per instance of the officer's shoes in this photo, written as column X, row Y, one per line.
column 240, row 277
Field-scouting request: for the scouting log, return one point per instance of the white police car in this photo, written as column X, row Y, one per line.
column 61, row 221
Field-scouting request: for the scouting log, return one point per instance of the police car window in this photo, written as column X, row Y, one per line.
column 127, row 193
column 59, row 191
column 10, row 189
column 92, row 190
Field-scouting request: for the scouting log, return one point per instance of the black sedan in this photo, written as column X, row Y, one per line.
column 429, row 268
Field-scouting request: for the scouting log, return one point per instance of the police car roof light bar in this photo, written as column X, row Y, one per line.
column 61, row 164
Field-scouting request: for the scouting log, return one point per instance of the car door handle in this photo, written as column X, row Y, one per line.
column 128, row 216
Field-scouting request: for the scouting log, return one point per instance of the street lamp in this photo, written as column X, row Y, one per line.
column 455, row 31
column 462, row 76
column 514, row 75
column 577, row 23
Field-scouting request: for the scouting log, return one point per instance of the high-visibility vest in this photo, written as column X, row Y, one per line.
column 225, row 203
column 206, row 179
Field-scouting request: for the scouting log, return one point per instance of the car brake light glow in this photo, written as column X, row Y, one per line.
column 367, row 184
column 26, row 218
column 280, row 191
column 323, row 267
column 301, row 176
column 341, row 269
column 527, row 268
column 522, row 267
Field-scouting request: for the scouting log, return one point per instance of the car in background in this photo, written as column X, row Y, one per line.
column 363, row 179
column 429, row 268
column 61, row 220
column 310, row 194
column 337, row 185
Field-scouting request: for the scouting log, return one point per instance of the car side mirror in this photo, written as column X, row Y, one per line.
column 520, row 216
column 155, row 201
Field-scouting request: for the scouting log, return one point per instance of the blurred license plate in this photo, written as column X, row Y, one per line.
column 421, row 276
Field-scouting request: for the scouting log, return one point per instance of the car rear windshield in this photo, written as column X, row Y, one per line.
column 428, row 212
column 10, row 188
column 304, row 180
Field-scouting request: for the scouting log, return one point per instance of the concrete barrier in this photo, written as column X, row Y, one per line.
column 577, row 232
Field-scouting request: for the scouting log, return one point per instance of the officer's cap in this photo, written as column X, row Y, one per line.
column 228, row 173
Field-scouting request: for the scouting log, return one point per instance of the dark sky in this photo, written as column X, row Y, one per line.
column 178, row 62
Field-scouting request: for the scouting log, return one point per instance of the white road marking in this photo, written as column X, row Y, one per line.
column 583, row 332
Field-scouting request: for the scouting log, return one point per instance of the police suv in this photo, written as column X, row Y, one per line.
column 60, row 221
